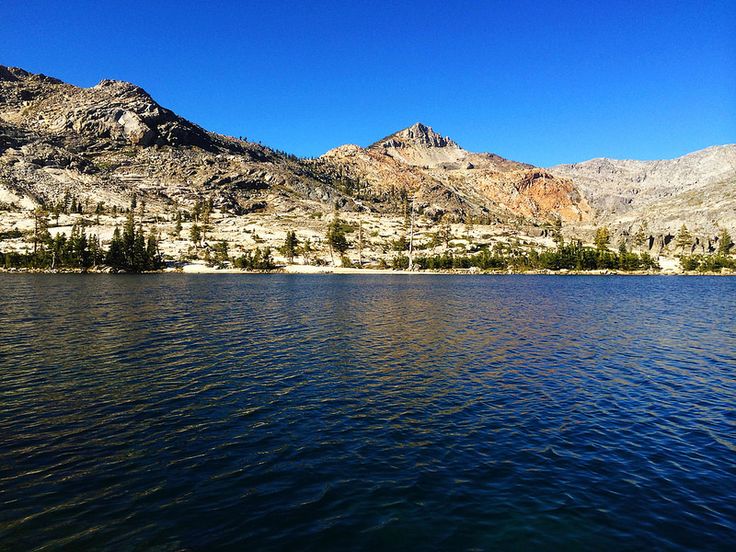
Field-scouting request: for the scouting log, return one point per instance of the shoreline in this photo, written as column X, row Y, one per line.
column 329, row 270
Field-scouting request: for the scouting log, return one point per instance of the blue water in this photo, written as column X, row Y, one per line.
column 239, row 412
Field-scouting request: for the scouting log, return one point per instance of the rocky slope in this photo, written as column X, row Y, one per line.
column 698, row 190
column 106, row 144
column 110, row 141
column 444, row 177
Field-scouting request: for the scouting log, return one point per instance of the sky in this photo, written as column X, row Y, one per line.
column 538, row 82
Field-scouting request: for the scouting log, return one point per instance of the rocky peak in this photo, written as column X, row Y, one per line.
column 122, row 90
column 417, row 135
column 421, row 146
column 107, row 116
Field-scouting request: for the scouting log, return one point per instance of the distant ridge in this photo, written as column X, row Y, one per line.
column 697, row 189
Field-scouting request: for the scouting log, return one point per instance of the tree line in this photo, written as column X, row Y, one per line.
column 570, row 256
column 130, row 250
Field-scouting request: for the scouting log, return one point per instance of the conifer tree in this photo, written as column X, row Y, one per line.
column 336, row 239
column 557, row 231
column 40, row 228
column 306, row 250
column 153, row 255
column 115, row 257
column 195, row 234
column 177, row 227
column 140, row 256
column 641, row 235
column 291, row 246
column 725, row 243
column 684, row 238
column 602, row 238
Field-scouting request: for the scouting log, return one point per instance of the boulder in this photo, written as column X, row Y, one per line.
column 137, row 132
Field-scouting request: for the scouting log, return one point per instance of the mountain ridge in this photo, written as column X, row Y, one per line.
column 112, row 141
column 623, row 191
column 115, row 128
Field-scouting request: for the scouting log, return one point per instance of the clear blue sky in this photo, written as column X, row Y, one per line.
column 539, row 83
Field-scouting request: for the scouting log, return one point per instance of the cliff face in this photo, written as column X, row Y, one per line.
column 698, row 190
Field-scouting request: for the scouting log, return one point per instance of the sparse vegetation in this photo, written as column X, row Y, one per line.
column 573, row 256
column 258, row 259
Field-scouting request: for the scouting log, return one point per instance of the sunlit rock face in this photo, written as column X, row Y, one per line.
column 111, row 141
column 698, row 190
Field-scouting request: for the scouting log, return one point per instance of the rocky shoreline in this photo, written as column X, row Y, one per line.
column 328, row 270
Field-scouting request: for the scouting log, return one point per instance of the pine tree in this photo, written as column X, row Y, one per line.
column 153, row 254
column 195, row 234
column 40, row 228
column 684, row 239
column 725, row 243
column 128, row 241
column 78, row 254
column 140, row 254
column 65, row 202
column 602, row 238
column 336, row 239
column 306, row 250
column 469, row 225
column 177, row 227
column 641, row 235
column 557, row 231
column 266, row 259
column 445, row 231
column 95, row 250
column 291, row 246
column 221, row 252
column 360, row 243
column 58, row 251
column 115, row 254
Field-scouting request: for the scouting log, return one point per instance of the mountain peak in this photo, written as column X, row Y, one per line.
column 417, row 135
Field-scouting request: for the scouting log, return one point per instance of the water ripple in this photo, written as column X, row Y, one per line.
column 333, row 412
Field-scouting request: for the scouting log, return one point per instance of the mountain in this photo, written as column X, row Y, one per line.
column 445, row 177
column 698, row 189
column 420, row 146
column 110, row 141
column 82, row 152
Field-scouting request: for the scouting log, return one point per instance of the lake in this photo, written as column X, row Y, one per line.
column 408, row 412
